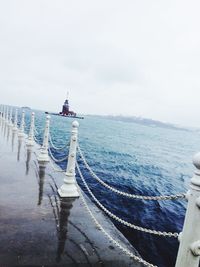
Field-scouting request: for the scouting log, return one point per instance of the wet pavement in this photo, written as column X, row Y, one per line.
column 37, row 228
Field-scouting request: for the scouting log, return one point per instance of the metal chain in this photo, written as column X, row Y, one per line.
column 168, row 197
column 55, row 147
column 56, row 160
column 145, row 230
column 54, row 168
column 36, row 140
column 116, row 243
column 35, row 130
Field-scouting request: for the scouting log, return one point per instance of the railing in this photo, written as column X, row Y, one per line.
column 189, row 248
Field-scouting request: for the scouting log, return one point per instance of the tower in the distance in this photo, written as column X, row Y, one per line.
column 65, row 108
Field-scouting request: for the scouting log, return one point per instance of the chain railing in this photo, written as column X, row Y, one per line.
column 55, row 168
column 36, row 131
column 116, row 243
column 189, row 252
column 57, row 160
column 35, row 136
column 36, row 140
column 161, row 197
column 115, row 217
column 55, row 147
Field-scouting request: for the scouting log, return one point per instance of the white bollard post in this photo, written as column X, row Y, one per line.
column 44, row 156
column 1, row 112
column 10, row 119
column 2, row 108
column 189, row 249
column 3, row 118
column 7, row 120
column 15, row 128
column 69, row 188
column 21, row 129
column 5, row 112
column 30, row 141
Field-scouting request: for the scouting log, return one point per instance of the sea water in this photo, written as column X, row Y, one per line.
column 137, row 159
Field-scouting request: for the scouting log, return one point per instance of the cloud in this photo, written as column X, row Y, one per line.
column 137, row 58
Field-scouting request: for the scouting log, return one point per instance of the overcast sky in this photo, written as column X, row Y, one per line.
column 125, row 57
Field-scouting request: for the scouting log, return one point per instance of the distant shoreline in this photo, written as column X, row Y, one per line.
column 142, row 121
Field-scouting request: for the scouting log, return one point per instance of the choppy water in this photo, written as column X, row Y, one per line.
column 140, row 160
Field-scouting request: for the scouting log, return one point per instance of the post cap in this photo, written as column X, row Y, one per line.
column 48, row 117
column 33, row 113
column 196, row 160
column 75, row 124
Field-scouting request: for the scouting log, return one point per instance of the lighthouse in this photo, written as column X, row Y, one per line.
column 65, row 108
column 66, row 112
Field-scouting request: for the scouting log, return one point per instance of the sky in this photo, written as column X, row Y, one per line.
column 135, row 58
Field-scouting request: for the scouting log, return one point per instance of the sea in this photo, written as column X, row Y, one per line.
column 138, row 159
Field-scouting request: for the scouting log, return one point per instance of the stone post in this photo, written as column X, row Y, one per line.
column 3, row 116
column 69, row 188
column 7, row 116
column 1, row 113
column 21, row 129
column 30, row 141
column 44, row 156
column 189, row 249
column 15, row 128
column 10, row 119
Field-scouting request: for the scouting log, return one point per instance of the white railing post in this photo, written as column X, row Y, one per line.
column 189, row 249
column 3, row 118
column 21, row 129
column 69, row 188
column 30, row 141
column 3, row 115
column 44, row 156
column 15, row 128
column 10, row 118
column 7, row 112
column 1, row 112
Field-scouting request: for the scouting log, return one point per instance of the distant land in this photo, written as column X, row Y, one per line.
column 26, row 108
column 143, row 121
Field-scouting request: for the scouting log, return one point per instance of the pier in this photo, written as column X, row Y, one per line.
column 47, row 220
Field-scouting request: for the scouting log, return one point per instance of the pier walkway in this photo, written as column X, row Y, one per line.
column 37, row 228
